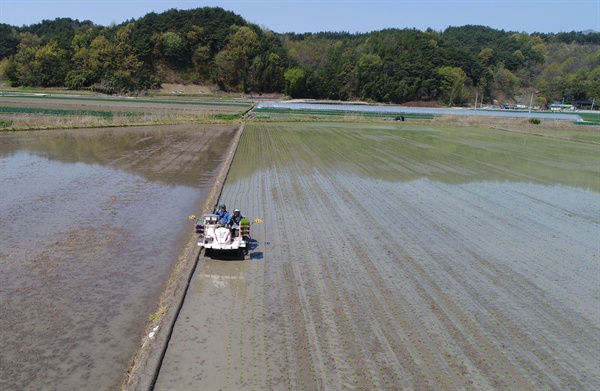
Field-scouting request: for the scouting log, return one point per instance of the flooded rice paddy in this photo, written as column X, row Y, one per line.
column 386, row 256
column 91, row 224
column 400, row 257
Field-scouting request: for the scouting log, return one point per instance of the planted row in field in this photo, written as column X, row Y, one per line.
column 405, row 257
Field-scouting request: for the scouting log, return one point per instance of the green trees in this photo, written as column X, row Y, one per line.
column 234, row 61
column 214, row 46
column 107, row 66
column 37, row 64
column 20, row 70
column 295, row 81
column 451, row 66
column 9, row 40
column 505, row 81
column 369, row 77
column 171, row 46
column 570, row 73
column 271, row 78
column 452, row 85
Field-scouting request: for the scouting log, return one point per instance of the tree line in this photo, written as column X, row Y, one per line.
column 217, row 47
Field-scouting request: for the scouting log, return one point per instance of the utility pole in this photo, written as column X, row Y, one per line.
column 531, row 102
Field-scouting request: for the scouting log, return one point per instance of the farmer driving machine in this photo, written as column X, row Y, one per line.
column 218, row 238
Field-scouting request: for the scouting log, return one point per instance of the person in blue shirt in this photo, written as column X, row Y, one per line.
column 224, row 217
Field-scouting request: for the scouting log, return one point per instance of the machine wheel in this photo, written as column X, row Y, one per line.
column 207, row 252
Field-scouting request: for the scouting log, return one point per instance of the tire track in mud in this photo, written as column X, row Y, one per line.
column 454, row 321
column 367, row 274
column 302, row 326
column 257, row 355
column 387, row 272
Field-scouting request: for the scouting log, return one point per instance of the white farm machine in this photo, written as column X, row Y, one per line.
column 217, row 238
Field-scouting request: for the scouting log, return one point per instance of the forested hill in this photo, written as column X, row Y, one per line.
column 217, row 47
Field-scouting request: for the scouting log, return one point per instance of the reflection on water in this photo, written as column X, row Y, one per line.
column 90, row 227
column 175, row 155
column 221, row 275
column 448, row 155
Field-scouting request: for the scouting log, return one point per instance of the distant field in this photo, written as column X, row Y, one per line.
column 593, row 117
column 281, row 113
column 546, row 128
column 20, row 112
column 56, row 109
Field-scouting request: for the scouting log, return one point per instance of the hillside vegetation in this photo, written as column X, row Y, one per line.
column 211, row 46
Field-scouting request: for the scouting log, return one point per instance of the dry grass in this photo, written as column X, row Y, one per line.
column 37, row 121
column 504, row 122
column 557, row 129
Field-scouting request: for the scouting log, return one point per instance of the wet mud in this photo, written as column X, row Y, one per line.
column 92, row 222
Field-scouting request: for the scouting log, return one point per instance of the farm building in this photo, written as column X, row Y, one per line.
column 560, row 107
column 585, row 104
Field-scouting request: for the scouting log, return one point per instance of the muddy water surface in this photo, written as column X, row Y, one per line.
column 91, row 223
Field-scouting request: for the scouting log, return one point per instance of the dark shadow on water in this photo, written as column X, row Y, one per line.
column 252, row 244
column 224, row 255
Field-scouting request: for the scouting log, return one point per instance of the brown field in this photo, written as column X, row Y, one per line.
column 92, row 224
column 395, row 256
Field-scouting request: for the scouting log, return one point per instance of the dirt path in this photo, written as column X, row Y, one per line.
column 399, row 258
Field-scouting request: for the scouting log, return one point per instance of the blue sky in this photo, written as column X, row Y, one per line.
column 300, row 16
